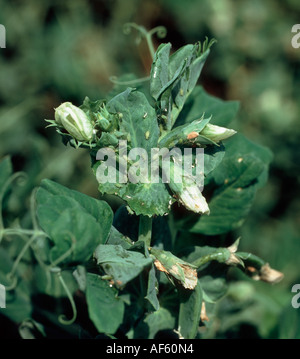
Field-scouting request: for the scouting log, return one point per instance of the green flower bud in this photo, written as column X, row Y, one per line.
column 103, row 123
column 103, row 119
column 75, row 121
column 175, row 268
column 217, row 133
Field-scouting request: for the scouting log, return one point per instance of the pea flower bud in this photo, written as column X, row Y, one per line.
column 175, row 268
column 217, row 133
column 103, row 119
column 188, row 192
column 192, row 198
column 103, row 123
column 75, row 121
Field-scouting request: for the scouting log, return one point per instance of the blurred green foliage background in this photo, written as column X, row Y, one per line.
column 65, row 50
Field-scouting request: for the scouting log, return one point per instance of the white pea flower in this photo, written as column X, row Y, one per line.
column 74, row 121
column 217, row 133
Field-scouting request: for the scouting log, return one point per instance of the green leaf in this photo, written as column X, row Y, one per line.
column 75, row 223
column 138, row 118
column 232, row 202
column 194, row 62
column 289, row 323
column 100, row 210
column 154, row 322
column 147, row 199
column 243, row 170
column 213, row 156
column 70, row 228
column 152, row 288
column 174, row 78
column 105, row 309
column 159, row 75
column 189, row 311
column 199, row 102
column 123, row 265
column 239, row 146
column 117, row 238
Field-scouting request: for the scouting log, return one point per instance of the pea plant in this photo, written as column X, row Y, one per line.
column 160, row 262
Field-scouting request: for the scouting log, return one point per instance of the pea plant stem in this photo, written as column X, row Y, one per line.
column 221, row 255
column 145, row 230
column 150, row 45
column 251, row 259
column 159, row 30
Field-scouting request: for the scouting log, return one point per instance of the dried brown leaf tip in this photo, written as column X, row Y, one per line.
column 265, row 273
column 176, row 269
column 270, row 275
column 190, row 275
column 159, row 266
column 203, row 315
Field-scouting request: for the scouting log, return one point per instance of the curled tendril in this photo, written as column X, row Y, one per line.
column 114, row 80
column 127, row 28
column 33, row 209
column 62, row 318
column 11, row 276
column 160, row 31
column 16, row 176
column 13, row 279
